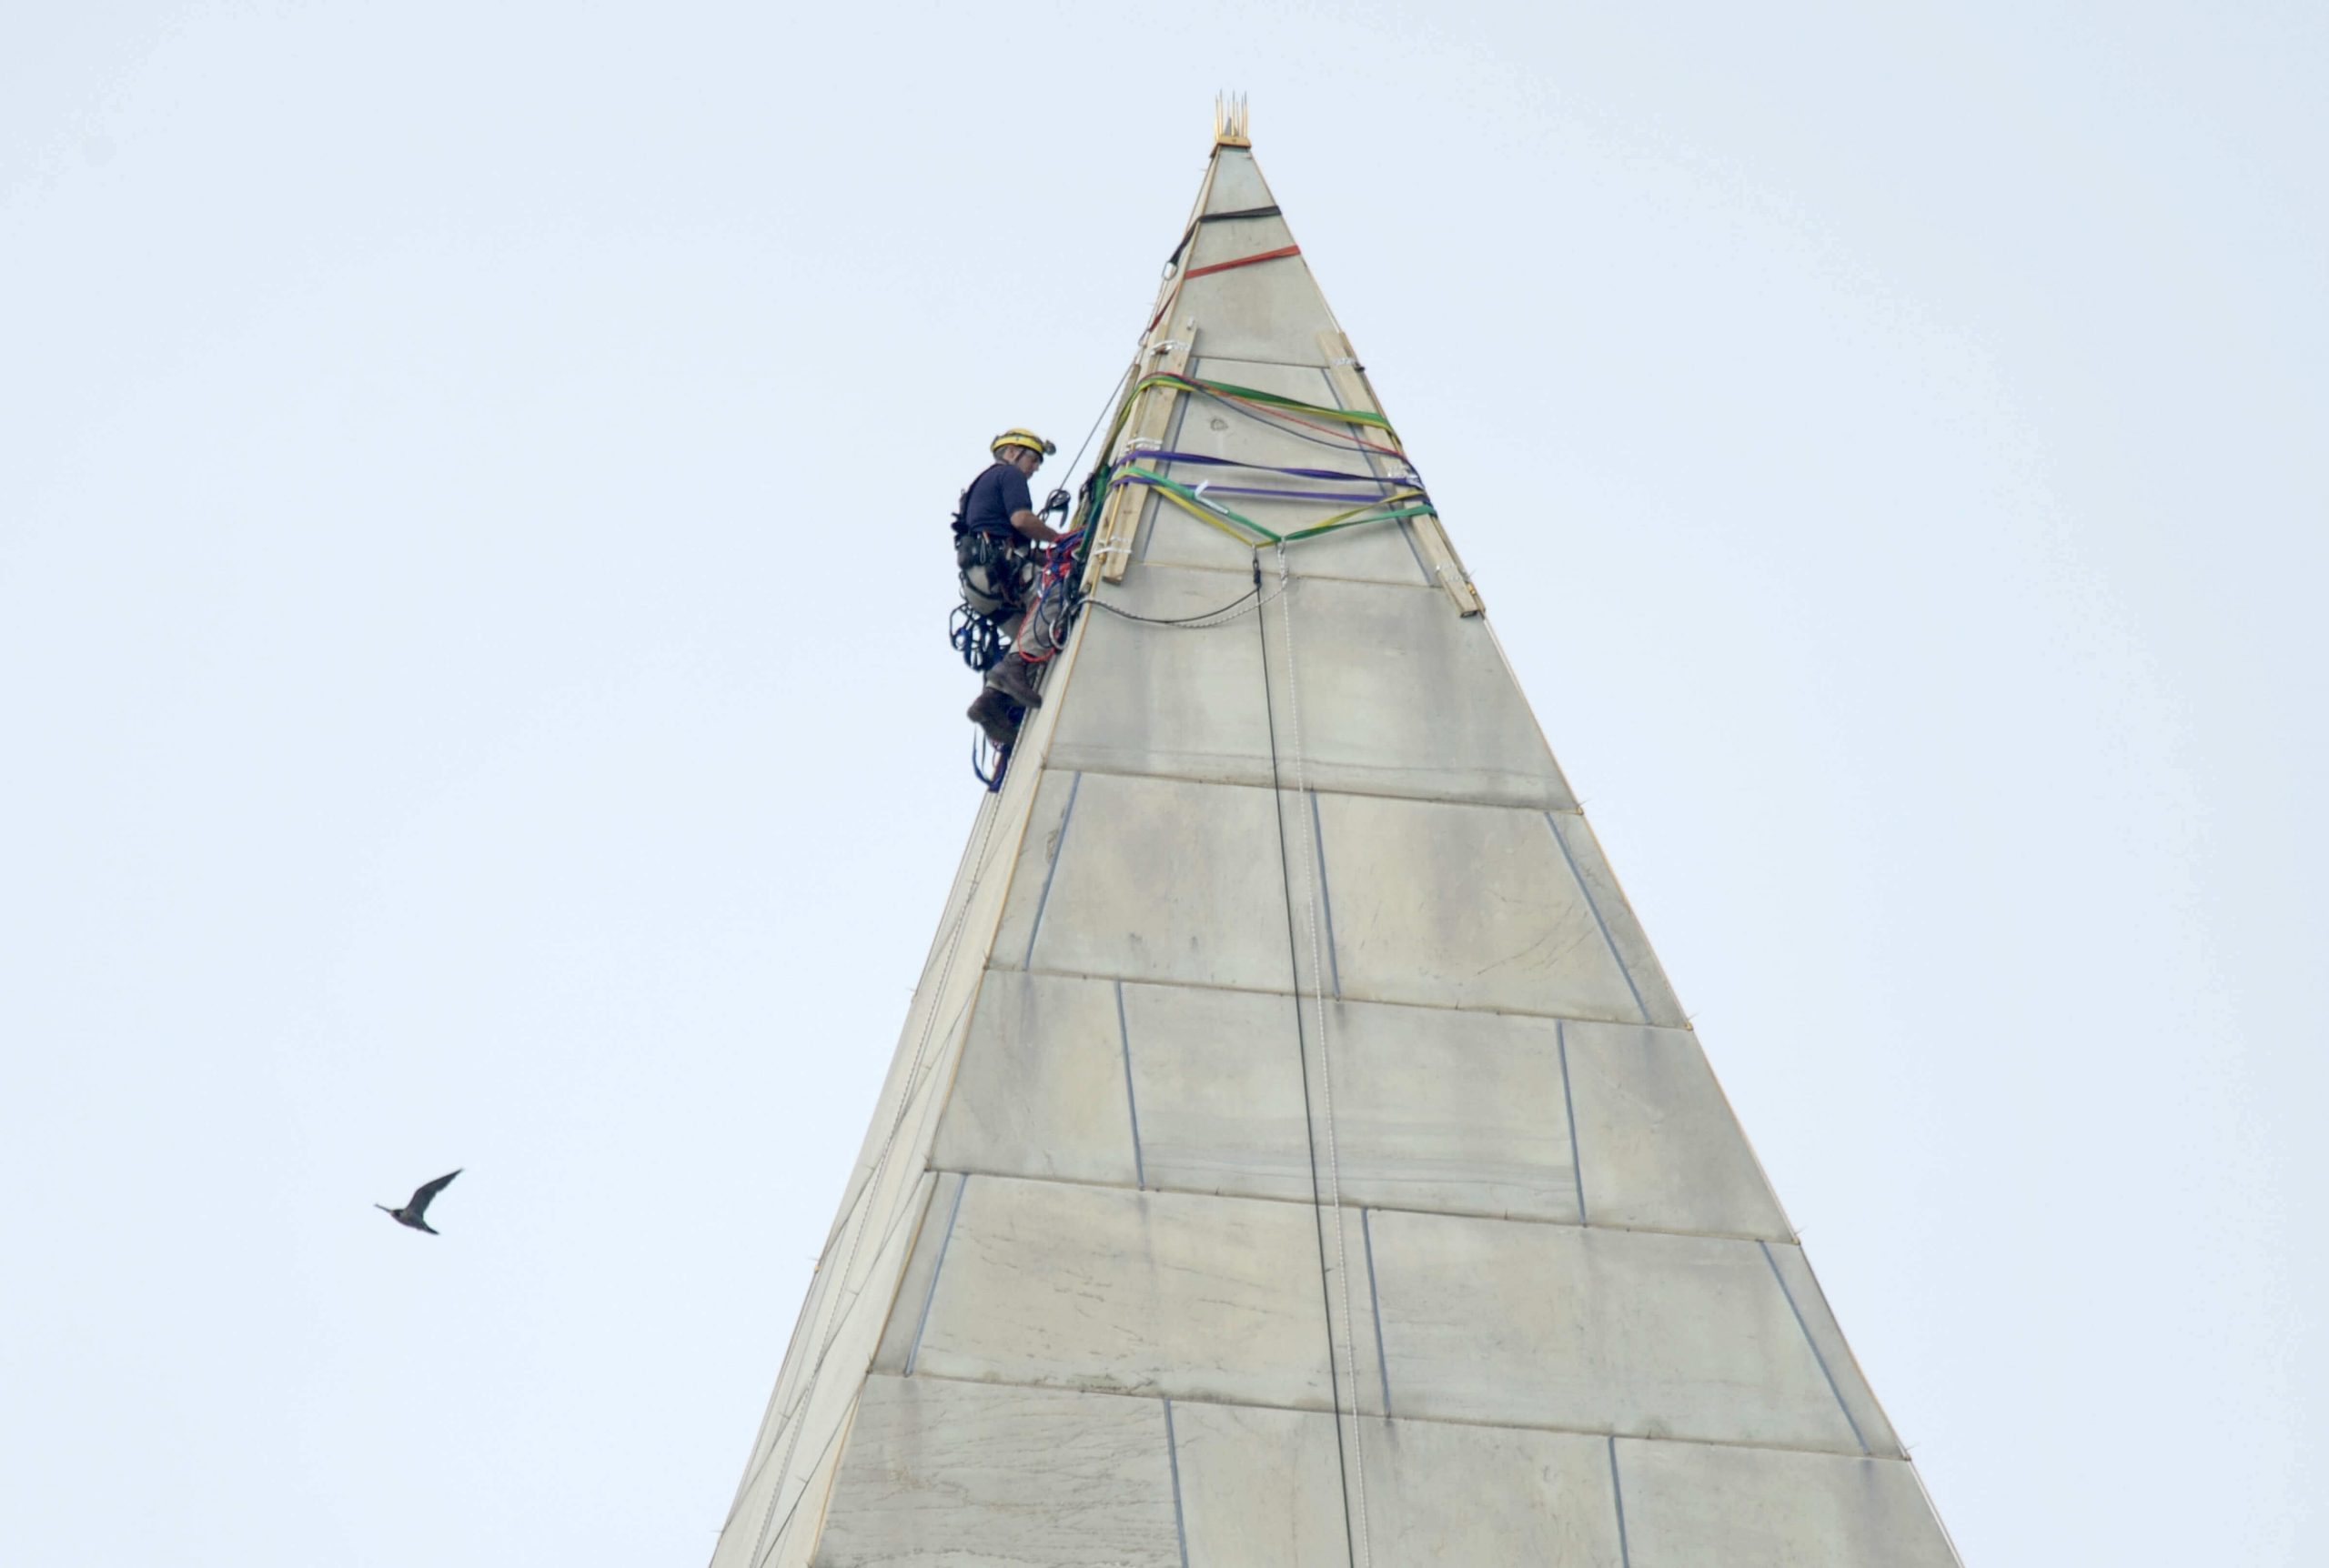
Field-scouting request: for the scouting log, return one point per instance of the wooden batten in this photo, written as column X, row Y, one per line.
column 1352, row 390
column 1119, row 514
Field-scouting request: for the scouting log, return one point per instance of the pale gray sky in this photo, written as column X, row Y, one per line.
column 472, row 664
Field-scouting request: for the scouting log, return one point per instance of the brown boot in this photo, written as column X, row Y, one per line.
column 1015, row 678
column 991, row 713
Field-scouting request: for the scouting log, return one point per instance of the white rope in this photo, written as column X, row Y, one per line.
column 762, row 1543
column 1325, row 1065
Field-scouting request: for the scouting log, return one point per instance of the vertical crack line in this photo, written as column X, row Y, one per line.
column 1594, row 905
column 1375, row 1300
column 1302, row 1049
column 1326, row 895
column 1814, row 1345
column 1618, row 1492
column 1058, row 853
column 937, row 1267
column 1132, row 1099
column 1568, row 1097
column 1173, row 1454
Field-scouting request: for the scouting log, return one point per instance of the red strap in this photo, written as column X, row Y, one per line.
column 1241, row 261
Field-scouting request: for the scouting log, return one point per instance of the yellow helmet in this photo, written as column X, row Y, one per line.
column 1018, row 437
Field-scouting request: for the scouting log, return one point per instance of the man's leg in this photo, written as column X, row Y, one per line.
column 991, row 711
column 1012, row 675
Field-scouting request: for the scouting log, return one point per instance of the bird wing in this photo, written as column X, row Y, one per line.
column 427, row 1190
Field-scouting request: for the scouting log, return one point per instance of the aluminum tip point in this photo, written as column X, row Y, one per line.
column 1230, row 123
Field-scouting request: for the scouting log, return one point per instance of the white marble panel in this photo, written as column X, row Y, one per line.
column 1271, row 311
column 1264, row 1488
column 1156, row 879
column 1259, row 1488
column 1098, row 1288
column 1432, row 1109
column 1218, row 1083
column 932, row 1231
column 1658, row 1002
column 1237, row 183
column 1658, row 1145
column 1464, row 906
column 950, row 1475
column 1439, row 1492
column 841, row 1349
column 1187, row 701
column 1042, row 1088
column 1692, row 1507
column 1228, row 239
column 1819, row 1325
column 1033, row 863
column 1452, row 1111
column 1400, row 695
column 1641, row 1334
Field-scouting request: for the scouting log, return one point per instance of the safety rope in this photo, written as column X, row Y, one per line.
column 762, row 1542
column 1344, row 1467
column 1236, row 609
column 1310, row 882
column 1057, row 586
column 1111, row 400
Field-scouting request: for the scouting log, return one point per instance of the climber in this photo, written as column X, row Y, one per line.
column 997, row 535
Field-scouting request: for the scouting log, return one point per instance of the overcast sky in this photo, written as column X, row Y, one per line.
column 474, row 685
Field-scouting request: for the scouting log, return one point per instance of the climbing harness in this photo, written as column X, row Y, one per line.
column 1050, row 593
column 976, row 637
column 997, row 574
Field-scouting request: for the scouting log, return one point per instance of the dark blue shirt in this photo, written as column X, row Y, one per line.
column 992, row 499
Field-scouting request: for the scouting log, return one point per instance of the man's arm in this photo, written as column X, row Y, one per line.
column 1020, row 508
column 1033, row 527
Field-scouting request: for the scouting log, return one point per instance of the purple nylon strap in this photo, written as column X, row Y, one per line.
column 1139, row 478
column 1213, row 462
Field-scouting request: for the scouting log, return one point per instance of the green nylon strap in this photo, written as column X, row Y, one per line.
column 1208, row 511
column 1269, row 399
column 1219, row 515
column 1401, row 515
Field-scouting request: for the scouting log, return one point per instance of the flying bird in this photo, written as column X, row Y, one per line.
column 415, row 1212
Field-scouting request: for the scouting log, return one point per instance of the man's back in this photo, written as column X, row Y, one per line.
column 995, row 497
